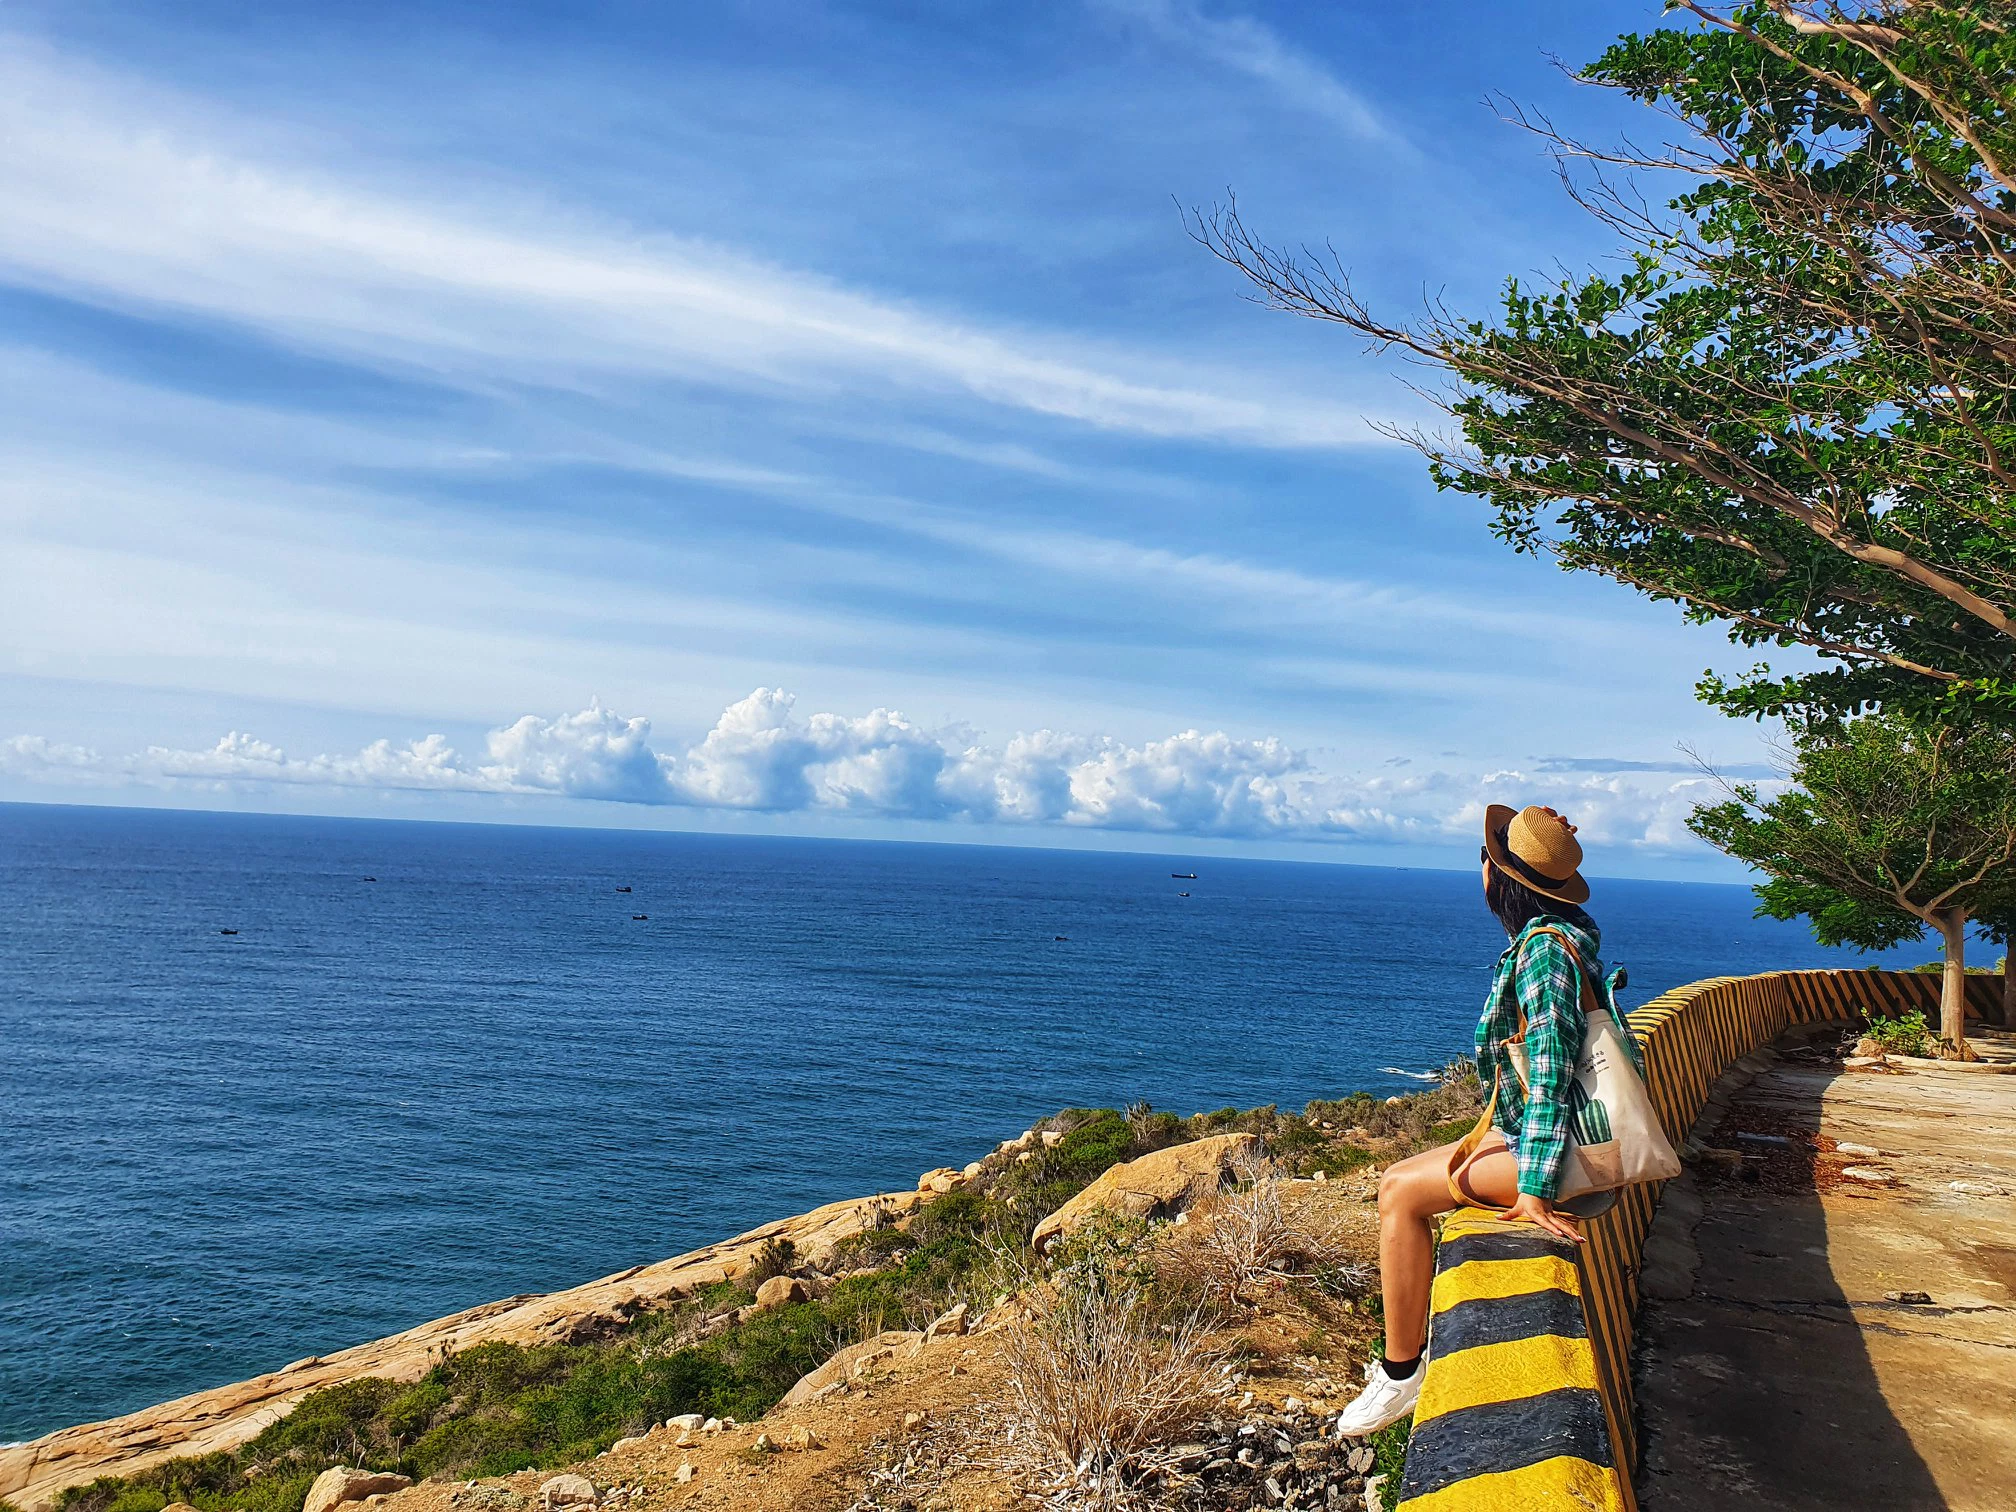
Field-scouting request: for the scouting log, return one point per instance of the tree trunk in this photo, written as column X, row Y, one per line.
column 1953, row 985
column 2009, row 982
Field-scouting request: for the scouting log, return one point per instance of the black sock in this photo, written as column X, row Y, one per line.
column 1399, row 1370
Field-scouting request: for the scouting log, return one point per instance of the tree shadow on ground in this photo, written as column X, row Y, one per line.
column 1755, row 1383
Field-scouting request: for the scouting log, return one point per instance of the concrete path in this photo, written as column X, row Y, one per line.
column 1772, row 1371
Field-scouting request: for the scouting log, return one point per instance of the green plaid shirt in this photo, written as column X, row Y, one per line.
column 1537, row 975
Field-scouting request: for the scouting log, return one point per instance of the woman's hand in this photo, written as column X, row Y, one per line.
column 1542, row 1213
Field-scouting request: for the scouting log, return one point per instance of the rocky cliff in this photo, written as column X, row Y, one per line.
column 34, row 1473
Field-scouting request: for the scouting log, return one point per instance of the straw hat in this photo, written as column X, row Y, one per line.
column 1537, row 847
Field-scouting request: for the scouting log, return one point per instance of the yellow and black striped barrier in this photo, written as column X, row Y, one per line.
column 1527, row 1401
column 1512, row 1415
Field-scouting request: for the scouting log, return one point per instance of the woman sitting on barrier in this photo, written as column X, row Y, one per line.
column 1533, row 883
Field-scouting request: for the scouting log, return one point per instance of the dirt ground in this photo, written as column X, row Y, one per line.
column 926, row 1428
column 1831, row 1323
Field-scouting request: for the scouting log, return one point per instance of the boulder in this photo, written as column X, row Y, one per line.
column 178, row 1507
column 802, row 1439
column 950, row 1326
column 1160, row 1184
column 339, row 1484
column 686, row 1421
column 848, row 1363
column 1052, row 1138
column 565, row 1491
column 781, row 1291
column 940, row 1181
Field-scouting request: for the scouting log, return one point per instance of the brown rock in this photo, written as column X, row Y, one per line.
column 340, row 1484
column 565, row 1491
column 221, row 1418
column 951, row 1325
column 1158, row 1185
column 781, row 1291
column 848, row 1363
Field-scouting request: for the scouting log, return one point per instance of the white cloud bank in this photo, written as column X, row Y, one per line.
column 760, row 756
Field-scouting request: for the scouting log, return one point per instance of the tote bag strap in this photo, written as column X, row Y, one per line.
column 1466, row 1149
column 1460, row 1157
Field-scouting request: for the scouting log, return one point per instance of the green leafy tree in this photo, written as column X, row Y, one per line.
column 1890, row 827
column 1794, row 411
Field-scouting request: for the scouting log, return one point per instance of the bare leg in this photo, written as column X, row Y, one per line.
column 1412, row 1193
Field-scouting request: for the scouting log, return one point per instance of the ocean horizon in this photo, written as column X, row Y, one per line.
column 276, row 1085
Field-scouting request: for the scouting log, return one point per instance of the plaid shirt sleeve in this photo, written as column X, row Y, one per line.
column 1549, row 993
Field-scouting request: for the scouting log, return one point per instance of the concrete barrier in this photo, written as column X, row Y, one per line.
column 1523, row 1335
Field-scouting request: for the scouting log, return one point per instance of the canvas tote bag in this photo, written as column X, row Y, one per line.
column 1614, row 1136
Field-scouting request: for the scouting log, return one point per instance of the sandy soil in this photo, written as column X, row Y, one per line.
column 926, row 1428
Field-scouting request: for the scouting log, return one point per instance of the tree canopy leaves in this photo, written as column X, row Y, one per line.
column 1792, row 410
column 1892, row 826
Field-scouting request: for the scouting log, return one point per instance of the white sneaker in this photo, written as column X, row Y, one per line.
column 1382, row 1403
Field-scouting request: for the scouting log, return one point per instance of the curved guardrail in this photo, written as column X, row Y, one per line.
column 1528, row 1398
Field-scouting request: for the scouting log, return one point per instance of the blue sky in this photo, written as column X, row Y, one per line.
column 792, row 417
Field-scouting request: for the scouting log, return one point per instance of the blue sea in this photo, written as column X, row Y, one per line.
column 272, row 1086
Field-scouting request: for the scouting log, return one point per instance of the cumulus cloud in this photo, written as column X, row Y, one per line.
column 762, row 756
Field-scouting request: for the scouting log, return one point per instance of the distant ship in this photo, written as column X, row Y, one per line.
column 622, row 889
column 640, row 916
column 1184, row 876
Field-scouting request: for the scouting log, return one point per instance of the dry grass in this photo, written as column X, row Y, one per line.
column 1252, row 1238
column 1097, row 1384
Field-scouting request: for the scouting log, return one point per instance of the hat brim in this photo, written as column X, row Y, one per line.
column 1496, row 817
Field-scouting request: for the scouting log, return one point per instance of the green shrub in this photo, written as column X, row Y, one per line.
column 1389, row 1449
column 495, row 1408
column 775, row 1257
column 1906, row 1034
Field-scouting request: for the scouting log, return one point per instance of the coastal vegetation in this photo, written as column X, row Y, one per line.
column 1904, row 1034
column 1789, row 413
column 500, row 1407
column 1892, row 827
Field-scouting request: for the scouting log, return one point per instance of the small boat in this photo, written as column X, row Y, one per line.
column 227, row 931
column 622, row 889
column 1184, row 876
column 370, row 879
column 1183, row 895
column 1065, row 938
column 640, row 917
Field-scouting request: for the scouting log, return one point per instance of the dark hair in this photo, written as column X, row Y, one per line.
column 1517, row 905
